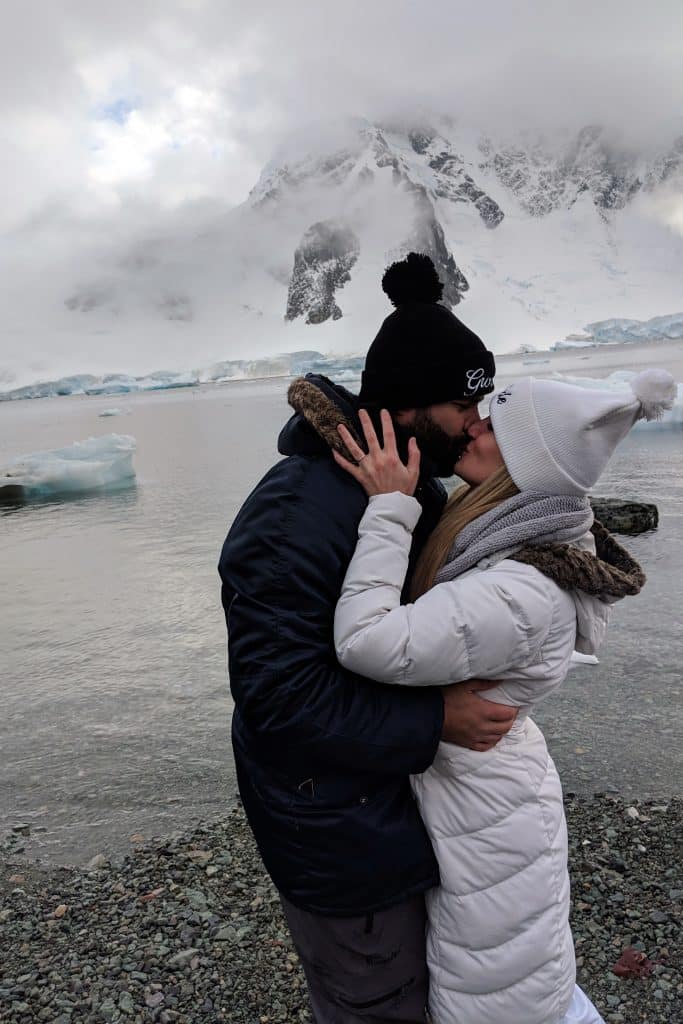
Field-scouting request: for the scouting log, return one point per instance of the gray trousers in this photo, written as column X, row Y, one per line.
column 371, row 968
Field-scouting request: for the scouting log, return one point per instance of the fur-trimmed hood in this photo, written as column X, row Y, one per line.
column 323, row 406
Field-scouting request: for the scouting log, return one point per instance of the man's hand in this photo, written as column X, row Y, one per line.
column 470, row 721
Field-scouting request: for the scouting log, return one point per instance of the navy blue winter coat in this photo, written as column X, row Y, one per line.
column 322, row 755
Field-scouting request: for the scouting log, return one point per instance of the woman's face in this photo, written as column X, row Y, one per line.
column 481, row 458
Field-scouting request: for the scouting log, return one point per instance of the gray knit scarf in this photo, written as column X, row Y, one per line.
column 526, row 518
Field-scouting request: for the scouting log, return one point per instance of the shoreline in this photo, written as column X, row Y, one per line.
column 188, row 928
column 604, row 357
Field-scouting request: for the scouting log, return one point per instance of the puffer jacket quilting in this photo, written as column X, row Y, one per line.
column 499, row 943
column 323, row 755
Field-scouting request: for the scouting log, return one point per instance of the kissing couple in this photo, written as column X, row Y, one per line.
column 387, row 647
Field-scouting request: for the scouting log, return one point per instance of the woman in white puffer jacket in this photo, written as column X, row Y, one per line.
column 508, row 586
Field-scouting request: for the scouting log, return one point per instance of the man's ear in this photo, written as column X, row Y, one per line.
column 405, row 417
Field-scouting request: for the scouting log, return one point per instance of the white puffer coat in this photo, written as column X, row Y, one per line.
column 499, row 946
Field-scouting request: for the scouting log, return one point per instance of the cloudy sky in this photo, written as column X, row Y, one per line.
column 136, row 108
column 163, row 101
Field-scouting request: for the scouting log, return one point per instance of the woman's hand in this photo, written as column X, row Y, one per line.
column 380, row 470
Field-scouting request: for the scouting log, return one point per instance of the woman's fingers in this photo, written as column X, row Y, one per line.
column 380, row 470
column 350, row 467
column 388, row 432
column 352, row 446
column 369, row 431
column 413, row 458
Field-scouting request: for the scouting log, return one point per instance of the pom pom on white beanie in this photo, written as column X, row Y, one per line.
column 557, row 438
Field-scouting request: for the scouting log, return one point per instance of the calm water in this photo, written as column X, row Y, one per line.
column 116, row 708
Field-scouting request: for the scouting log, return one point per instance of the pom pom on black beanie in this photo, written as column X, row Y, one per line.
column 423, row 355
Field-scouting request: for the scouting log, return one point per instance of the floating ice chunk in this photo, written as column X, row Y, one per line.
column 111, row 412
column 98, row 464
column 583, row 659
column 560, row 345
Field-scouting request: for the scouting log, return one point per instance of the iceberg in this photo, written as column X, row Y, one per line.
column 96, row 464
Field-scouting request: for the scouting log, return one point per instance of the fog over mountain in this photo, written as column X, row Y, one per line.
column 183, row 181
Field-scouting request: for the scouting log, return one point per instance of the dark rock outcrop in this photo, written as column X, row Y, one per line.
column 625, row 516
column 322, row 265
column 544, row 177
column 428, row 237
column 453, row 183
column 12, row 494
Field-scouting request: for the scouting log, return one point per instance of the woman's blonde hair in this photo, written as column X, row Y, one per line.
column 463, row 506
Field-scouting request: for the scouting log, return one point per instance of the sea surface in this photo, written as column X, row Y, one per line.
column 115, row 700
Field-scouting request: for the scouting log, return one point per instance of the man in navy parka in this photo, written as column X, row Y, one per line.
column 322, row 755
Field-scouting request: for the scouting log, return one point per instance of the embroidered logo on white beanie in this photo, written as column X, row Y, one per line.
column 557, row 438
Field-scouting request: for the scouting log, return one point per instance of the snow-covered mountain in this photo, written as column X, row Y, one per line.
column 533, row 238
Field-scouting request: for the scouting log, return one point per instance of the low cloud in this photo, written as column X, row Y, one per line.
column 122, row 120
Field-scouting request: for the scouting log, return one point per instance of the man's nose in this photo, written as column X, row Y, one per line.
column 477, row 426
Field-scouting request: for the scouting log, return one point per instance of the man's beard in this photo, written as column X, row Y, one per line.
column 437, row 448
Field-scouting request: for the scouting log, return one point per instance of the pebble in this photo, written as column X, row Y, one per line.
column 189, row 930
column 98, row 862
column 182, row 958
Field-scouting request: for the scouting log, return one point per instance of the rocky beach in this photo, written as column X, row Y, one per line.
column 117, row 709
column 188, row 929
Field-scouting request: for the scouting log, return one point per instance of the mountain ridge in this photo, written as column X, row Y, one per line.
column 531, row 236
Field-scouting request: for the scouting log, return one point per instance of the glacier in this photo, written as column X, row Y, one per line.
column 109, row 384
column 283, row 365
column 619, row 331
column 96, row 464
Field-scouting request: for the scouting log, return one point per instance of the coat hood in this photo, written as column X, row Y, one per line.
column 319, row 407
column 596, row 579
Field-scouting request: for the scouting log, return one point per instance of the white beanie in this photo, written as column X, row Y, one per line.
column 557, row 438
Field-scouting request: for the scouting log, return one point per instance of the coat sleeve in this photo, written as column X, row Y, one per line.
column 281, row 581
column 480, row 625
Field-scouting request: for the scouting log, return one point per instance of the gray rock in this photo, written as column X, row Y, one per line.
column 97, row 862
column 625, row 516
column 182, row 958
column 322, row 265
column 126, row 1004
column 196, row 898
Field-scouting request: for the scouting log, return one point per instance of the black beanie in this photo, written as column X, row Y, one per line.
column 423, row 355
